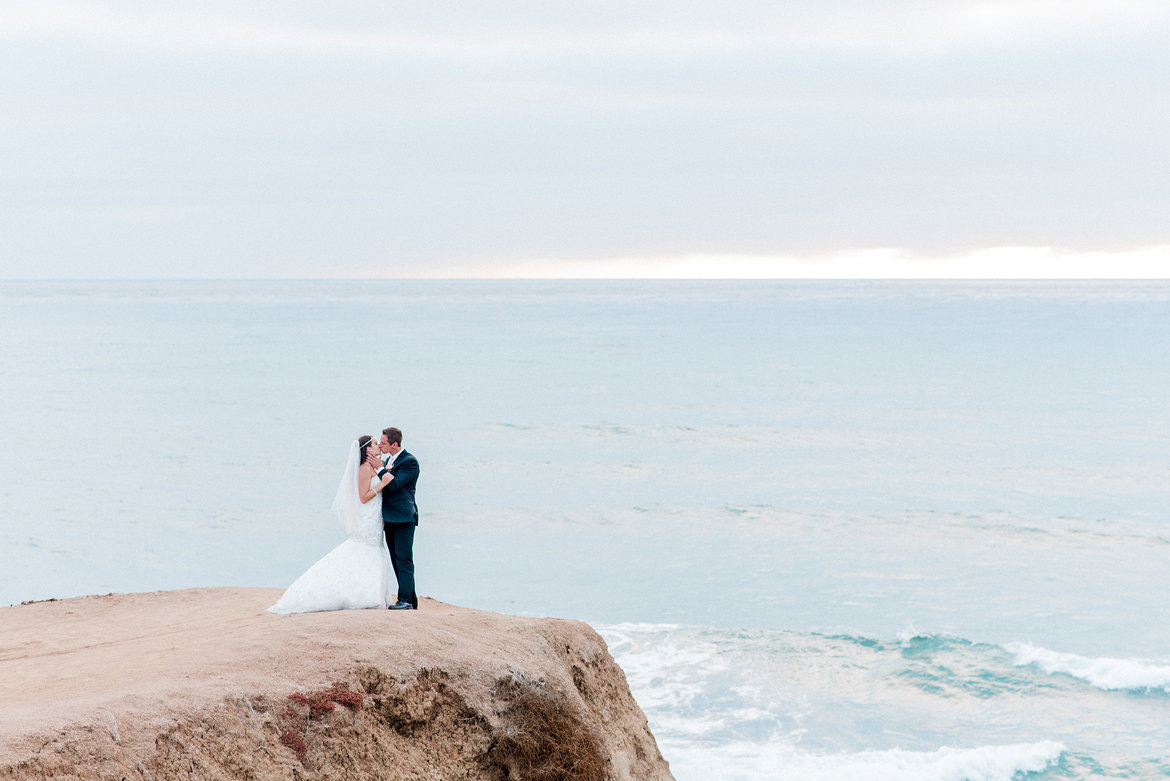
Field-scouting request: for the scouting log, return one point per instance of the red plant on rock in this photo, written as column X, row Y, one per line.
column 342, row 695
column 319, row 703
column 295, row 741
column 322, row 702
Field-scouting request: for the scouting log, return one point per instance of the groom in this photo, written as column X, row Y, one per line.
column 400, row 514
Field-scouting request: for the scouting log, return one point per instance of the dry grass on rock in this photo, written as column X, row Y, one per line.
column 542, row 738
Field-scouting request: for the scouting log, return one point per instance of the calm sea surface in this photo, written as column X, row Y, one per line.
column 830, row 530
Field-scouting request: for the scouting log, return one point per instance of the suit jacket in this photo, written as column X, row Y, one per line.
column 398, row 497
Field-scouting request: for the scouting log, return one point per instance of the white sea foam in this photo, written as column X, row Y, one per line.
column 632, row 626
column 909, row 635
column 663, row 673
column 1103, row 672
column 776, row 760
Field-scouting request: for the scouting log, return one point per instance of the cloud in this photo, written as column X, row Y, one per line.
column 507, row 31
column 281, row 135
column 918, row 26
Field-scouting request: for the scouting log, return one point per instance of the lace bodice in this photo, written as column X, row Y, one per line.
column 369, row 527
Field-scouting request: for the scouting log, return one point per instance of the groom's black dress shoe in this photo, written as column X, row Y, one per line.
column 400, row 605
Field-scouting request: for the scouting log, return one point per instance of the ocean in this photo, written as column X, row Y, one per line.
column 830, row 530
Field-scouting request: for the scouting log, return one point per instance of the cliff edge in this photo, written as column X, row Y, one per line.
column 204, row 684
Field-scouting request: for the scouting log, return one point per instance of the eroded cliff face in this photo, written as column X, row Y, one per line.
column 203, row 684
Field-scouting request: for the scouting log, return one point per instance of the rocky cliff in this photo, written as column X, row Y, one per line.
column 204, row 684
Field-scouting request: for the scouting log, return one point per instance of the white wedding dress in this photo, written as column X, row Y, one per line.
column 355, row 574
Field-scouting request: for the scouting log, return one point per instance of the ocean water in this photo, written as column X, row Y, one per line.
column 830, row 530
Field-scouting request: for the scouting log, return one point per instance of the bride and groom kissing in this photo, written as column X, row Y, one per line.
column 375, row 503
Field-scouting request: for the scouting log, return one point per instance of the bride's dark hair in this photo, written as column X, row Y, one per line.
column 364, row 443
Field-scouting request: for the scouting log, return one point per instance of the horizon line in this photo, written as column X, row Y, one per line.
column 991, row 263
column 436, row 278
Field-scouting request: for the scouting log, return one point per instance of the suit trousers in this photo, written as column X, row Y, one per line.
column 400, row 541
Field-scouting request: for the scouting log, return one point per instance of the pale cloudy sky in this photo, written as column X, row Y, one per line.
column 751, row 139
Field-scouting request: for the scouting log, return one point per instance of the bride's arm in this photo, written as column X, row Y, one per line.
column 365, row 493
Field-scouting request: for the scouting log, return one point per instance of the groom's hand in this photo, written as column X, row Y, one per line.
column 374, row 461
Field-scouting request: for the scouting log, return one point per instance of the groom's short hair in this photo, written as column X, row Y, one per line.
column 393, row 435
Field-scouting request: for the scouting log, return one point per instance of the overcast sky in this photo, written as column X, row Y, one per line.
column 681, row 138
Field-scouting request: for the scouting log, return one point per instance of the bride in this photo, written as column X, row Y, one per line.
column 357, row 573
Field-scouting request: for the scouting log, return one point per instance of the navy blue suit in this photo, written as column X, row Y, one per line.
column 399, row 519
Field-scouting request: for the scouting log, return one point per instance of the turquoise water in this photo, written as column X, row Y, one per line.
column 767, row 704
column 830, row 530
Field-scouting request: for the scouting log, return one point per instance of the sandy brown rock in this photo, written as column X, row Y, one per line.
column 197, row 684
